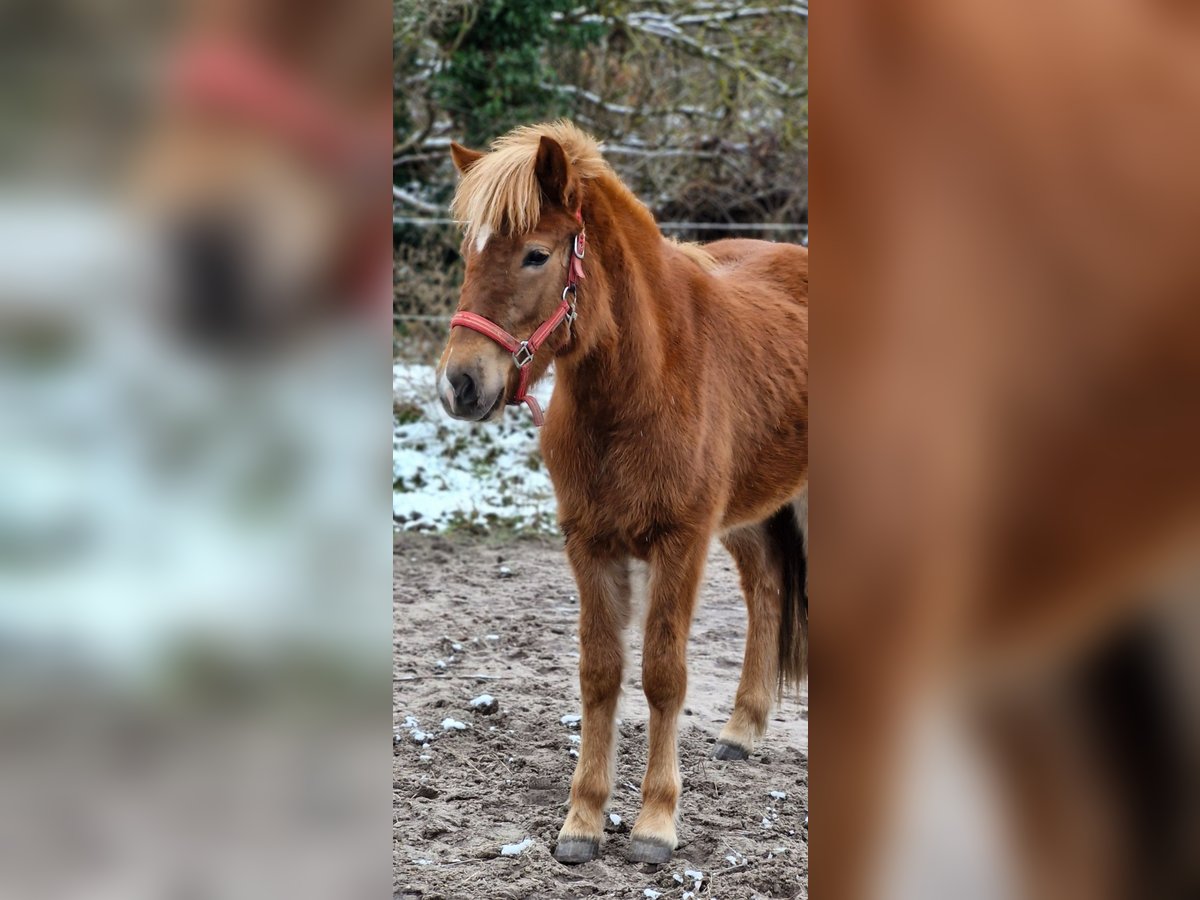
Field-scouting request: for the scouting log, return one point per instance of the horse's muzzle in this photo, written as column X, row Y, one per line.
column 465, row 394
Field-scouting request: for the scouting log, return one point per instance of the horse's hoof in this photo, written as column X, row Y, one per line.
column 727, row 750
column 649, row 850
column 574, row 851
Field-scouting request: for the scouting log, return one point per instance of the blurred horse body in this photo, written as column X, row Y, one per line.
column 680, row 411
column 1009, row 200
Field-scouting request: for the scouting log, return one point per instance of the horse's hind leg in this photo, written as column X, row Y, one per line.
column 676, row 564
column 758, row 560
column 603, row 614
column 751, row 550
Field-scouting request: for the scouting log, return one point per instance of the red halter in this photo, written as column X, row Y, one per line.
column 524, row 351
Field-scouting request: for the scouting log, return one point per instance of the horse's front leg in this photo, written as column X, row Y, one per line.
column 603, row 581
column 676, row 565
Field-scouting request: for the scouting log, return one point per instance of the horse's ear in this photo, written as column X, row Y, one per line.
column 553, row 171
column 463, row 158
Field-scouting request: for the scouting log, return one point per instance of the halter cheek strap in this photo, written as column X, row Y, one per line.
column 523, row 352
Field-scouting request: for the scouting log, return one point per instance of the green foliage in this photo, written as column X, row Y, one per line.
column 496, row 75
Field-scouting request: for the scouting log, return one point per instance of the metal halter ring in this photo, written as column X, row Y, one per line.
column 571, row 315
column 522, row 356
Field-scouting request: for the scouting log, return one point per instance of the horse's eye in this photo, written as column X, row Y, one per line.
column 536, row 258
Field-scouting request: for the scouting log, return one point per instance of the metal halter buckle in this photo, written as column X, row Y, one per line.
column 522, row 356
column 571, row 315
column 578, row 246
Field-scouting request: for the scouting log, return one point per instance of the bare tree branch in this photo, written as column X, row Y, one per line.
column 414, row 201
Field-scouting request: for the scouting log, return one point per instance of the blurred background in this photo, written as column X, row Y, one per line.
column 702, row 109
column 194, row 644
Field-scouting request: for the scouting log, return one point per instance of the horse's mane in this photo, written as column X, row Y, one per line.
column 696, row 253
column 500, row 193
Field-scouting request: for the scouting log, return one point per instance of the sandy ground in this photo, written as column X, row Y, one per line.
column 473, row 617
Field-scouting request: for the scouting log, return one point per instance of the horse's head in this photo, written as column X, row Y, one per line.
column 251, row 176
column 520, row 205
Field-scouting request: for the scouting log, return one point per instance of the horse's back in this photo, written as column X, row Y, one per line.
column 750, row 261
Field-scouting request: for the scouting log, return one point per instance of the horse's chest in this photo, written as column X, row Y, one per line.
column 617, row 487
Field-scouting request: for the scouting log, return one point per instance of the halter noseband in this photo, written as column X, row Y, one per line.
column 524, row 351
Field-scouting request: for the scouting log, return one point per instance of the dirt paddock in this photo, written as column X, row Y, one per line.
column 479, row 791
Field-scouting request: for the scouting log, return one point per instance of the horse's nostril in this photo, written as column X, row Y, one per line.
column 466, row 394
column 211, row 279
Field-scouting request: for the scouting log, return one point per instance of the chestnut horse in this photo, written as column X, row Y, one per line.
column 680, row 412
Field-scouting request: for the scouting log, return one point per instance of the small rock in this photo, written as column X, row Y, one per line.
column 505, row 572
column 485, row 704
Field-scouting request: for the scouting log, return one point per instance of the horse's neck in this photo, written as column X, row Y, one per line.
column 626, row 357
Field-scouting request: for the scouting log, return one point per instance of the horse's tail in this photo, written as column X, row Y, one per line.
column 787, row 532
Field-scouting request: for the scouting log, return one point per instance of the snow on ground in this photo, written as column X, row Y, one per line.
column 448, row 474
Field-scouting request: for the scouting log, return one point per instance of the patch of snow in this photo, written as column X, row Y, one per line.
column 571, row 720
column 516, row 849
column 614, row 818
column 575, row 739
column 731, row 859
column 483, row 700
column 448, row 724
column 424, row 862
column 441, row 664
column 778, row 795
column 652, row 893
column 678, row 878
column 766, row 822
column 491, row 637
column 414, row 730
column 447, row 473
column 505, row 572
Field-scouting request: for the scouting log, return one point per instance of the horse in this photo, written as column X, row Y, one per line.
column 254, row 170
column 1008, row 200
column 679, row 412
